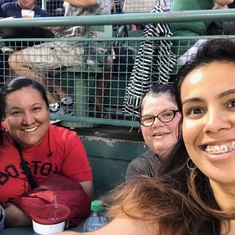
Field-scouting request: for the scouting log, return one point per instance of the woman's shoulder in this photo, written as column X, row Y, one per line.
column 61, row 132
column 60, row 137
column 59, row 129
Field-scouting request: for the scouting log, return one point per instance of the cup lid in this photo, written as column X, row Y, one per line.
column 50, row 215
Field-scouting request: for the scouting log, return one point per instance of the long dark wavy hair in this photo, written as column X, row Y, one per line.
column 179, row 200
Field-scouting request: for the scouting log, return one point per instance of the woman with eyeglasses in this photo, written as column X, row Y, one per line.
column 195, row 188
column 159, row 117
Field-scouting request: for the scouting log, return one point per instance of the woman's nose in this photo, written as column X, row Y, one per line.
column 157, row 122
column 28, row 118
column 216, row 121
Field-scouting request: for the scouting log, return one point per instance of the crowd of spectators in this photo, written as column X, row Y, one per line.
column 61, row 102
column 30, row 60
column 53, row 7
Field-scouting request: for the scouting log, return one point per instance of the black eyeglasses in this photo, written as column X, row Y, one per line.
column 164, row 117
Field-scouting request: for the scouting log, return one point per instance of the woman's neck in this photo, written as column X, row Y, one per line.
column 224, row 195
column 231, row 228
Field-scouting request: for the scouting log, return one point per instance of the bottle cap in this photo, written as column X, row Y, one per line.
column 96, row 205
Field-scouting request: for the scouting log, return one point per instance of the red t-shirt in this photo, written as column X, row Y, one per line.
column 61, row 151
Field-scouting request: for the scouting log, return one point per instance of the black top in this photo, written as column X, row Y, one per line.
column 147, row 164
column 1, row 12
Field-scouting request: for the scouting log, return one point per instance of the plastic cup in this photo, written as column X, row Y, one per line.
column 27, row 13
column 48, row 219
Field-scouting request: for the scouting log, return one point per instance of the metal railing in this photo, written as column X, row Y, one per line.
column 81, row 81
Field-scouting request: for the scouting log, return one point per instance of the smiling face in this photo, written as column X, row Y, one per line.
column 208, row 98
column 160, row 137
column 27, row 116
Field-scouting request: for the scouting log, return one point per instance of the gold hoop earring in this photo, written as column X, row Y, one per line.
column 189, row 167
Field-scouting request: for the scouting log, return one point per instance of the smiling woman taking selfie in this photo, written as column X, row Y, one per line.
column 195, row 188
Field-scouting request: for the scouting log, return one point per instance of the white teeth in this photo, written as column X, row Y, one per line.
column 233, row 144
column 224, row 148
column 216, row 149
column 221, row 148
column 29, row 130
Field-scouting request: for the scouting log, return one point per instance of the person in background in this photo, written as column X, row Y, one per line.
column 2, row 218
column 142, row 6
column 194, row 191
column 54, row 7
column 36, row 61
column 212, row 28
column 47, row 150
column 2, row 111
column 2, row 114
column 13, row 9
column 191, row 28
column 1, row 55
column 231, row 5
column 1, row 13
column 159, row 118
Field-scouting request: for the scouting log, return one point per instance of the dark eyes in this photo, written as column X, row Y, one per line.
column 37, row 108
column 166, row 114
column 231, row 104
column 17, row 113
column 195, row 111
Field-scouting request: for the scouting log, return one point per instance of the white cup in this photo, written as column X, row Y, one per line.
column 47, row 229
column 48, row 219
column 27, row 13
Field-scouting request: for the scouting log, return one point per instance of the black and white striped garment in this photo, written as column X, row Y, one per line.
column 154, row 63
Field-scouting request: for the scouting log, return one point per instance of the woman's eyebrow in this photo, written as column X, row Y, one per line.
column 225, row 93
column 219, row 96
column 192, row 100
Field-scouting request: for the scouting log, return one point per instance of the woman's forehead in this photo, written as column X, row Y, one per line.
column 209, row 79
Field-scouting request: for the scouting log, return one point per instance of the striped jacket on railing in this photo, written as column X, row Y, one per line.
column 154, row 63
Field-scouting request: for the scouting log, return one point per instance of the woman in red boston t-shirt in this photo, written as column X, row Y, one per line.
column 46, row 149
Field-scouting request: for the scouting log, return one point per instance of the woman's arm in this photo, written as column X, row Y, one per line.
column 122, row 225
column 14, row 217
column 88, row 188
column 76, row 165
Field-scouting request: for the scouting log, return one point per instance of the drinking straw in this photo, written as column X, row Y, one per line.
column 55, row 202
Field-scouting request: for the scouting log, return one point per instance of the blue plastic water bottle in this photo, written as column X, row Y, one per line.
column 97, row 219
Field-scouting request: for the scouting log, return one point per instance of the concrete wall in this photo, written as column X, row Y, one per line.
column 109, row 158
